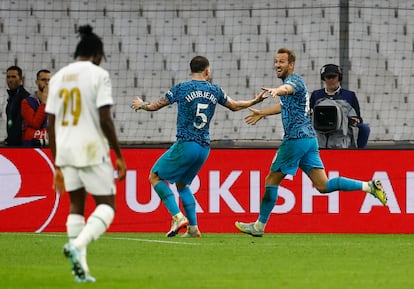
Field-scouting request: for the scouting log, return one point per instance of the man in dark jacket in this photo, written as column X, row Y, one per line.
column 16, row 93
column 331, row 74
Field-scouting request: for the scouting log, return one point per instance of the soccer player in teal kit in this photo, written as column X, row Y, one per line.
column 299, row 148
column 197, row 100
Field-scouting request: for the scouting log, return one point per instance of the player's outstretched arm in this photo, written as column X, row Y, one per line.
column 236, row 105
column 254, row 117
column 279, row 91
column 257, row 115
column 138, row 104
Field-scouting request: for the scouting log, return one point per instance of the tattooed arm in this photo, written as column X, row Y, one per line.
column 138, row 104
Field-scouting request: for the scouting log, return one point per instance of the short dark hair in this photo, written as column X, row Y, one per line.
column 90, row 43
column 42, row 71
column 199, row 64
column 290, row 53
column 18, row 69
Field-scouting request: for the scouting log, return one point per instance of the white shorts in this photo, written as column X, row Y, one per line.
column 97, row 180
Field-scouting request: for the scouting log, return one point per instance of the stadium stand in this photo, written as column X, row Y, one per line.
column 148, row 45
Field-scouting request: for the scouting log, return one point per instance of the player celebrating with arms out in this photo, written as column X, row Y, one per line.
column 299, row 148
column 197, row 100
column 80, row 126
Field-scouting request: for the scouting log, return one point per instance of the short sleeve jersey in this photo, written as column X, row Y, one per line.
column 295, row 110
column 196, row 102
column 76, row 92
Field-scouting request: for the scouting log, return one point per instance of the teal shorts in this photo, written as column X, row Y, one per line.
column 181, row 162
column 297, row 153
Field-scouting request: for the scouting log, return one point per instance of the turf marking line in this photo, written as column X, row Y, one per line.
column 151, row 241
column 111, row 238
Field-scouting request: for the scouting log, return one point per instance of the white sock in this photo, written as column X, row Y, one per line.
column 259, row 226
column 366, row 187
column 74, row 225
column 192, row 228
column 178, row 216
column 98, row 222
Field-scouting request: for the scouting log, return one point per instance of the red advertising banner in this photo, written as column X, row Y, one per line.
column 228, row 189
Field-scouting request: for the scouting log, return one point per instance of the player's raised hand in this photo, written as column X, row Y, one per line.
column 261, row 95
column 272, row 91
column 254, row 117
column 137, row 103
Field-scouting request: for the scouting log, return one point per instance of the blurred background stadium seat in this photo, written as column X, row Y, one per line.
column 149, row 45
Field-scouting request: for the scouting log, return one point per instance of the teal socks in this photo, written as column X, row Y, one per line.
column 189, row 205
column 167, row 197
column 268, row 202
column 343, row 184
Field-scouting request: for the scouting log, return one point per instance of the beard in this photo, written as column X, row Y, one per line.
column 283, row 74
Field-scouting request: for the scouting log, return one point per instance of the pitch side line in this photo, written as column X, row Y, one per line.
column 111, row 238
column 150, row 241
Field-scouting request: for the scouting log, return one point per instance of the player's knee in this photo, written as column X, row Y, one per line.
column 180, row 186
column 321, row 188
column 153, row 178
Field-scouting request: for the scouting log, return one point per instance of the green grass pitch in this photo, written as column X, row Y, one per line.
column 141, row 260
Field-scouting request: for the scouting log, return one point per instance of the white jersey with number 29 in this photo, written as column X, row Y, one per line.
column 76, row 92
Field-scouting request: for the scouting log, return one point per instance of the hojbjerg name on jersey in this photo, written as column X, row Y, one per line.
column 203, row 94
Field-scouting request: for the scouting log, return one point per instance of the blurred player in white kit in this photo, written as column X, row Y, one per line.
column 80, row 130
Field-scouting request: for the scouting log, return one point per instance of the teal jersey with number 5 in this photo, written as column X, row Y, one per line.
column 196, row 102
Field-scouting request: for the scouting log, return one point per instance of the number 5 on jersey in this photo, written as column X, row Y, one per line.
column 201, row 106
